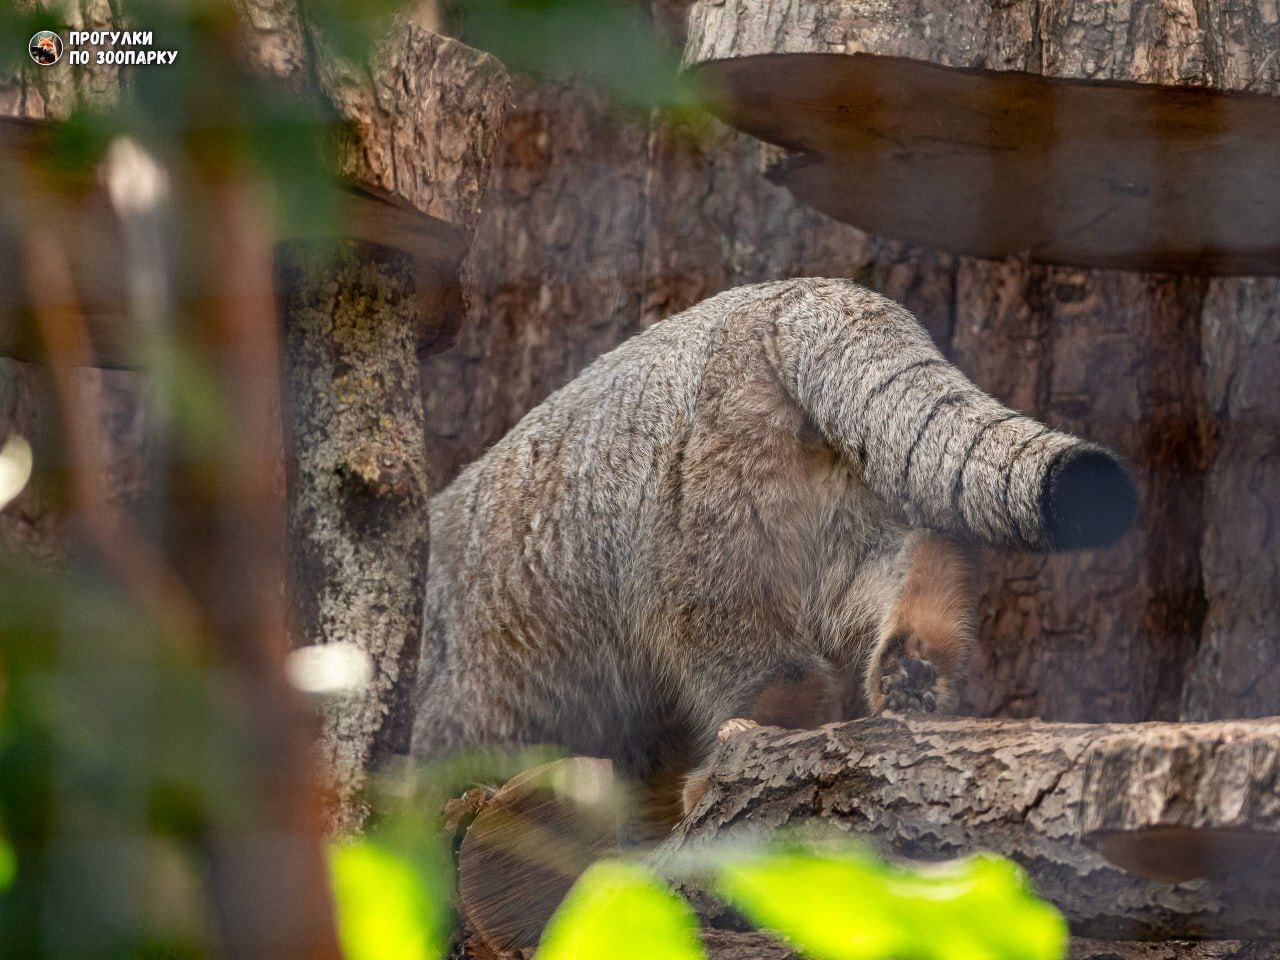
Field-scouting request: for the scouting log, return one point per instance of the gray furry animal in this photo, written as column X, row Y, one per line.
column 777, row 483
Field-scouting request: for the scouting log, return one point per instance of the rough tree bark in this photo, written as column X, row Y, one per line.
column 555, row 268
column 1105, row 634
column 417, row 133
column 1176, row 796
column 358, row 482
column 1237, row 669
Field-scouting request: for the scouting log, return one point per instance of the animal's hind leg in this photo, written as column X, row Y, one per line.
column 927, row 632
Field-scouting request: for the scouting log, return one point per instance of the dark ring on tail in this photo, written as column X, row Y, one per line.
column 1088, row 499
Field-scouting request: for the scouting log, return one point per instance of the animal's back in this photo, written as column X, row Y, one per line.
column 557, row 510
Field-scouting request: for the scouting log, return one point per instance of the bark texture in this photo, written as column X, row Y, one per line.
column 1013, row 153
column 53, row 92
column 358, row 489
column 422, row 122
column 931, row 789
column 1226, row 46
column 34, row 526
column 417, row 132
column 1237, row 669
column 1100, row 635
column 555, row 268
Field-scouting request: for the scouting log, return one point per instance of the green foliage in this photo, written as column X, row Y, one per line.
column 850, row 906
column 841, row 904
column 8, row 865
column 390, row 898
column 602, row 42
column 350, row 26
column 620, row 911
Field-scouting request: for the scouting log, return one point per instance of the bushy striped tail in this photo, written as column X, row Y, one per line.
column 931, row 443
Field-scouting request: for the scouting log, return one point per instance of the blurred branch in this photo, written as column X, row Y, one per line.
column 65, row 334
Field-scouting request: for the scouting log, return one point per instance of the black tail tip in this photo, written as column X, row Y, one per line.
column 1089, row 500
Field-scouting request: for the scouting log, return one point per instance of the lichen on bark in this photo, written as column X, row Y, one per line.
column 358, row 485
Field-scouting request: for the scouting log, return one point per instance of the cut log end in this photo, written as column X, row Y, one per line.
column 530, row 844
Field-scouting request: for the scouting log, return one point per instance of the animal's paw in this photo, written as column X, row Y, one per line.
column 904, row 683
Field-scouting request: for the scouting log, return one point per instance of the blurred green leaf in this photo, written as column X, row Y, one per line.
column 8, row 865
column 388, row 906
column 605, row 43
column 621, row 911
column 851, row 906
column 351, row 26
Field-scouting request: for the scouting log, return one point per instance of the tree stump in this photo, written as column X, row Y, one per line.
column 1078, row 805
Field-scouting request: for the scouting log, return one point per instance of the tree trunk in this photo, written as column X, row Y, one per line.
column 1184, row 801
column 1101, row 635
column 554, row 270
column 1237, row 670
column 418, row 131
column 359, row 481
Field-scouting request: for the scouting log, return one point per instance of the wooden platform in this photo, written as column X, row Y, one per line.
column 899, row 126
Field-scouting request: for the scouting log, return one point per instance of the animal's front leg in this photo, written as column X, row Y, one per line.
column 927, row 632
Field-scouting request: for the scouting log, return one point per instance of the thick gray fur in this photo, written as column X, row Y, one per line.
column 729, row 495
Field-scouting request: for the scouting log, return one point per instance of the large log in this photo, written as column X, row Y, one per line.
column 1179, row 801
column 721, row 944
column 1237, row 668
